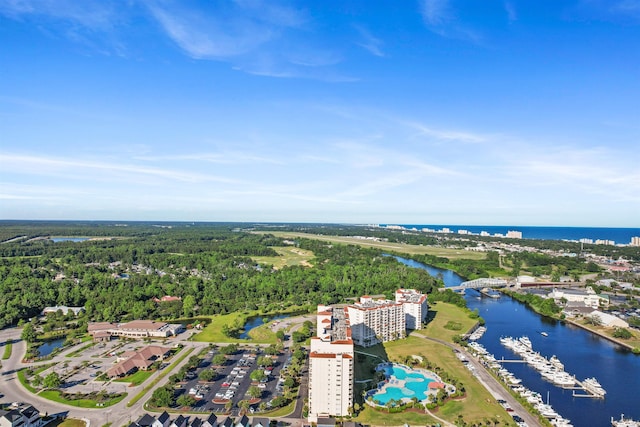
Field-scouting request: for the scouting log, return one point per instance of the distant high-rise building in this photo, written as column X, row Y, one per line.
column 415, row 307
column 635, row 241
column 512, row 234
column 585, row 240
column 331, row 365
column 605, row 242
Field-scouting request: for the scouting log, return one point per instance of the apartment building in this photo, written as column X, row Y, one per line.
column 331, row 365
column 375, row 321
column 415, row 306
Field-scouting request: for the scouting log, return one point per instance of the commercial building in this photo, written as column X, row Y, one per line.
column 589, row 298
column 375, row 321
column 331, row 365
column 635, row 241
column 415, row 307
column 134, row 329
column 138, row 360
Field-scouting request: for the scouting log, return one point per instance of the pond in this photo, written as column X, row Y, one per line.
column 254, row 322
column 69, row 239
column 47, row 347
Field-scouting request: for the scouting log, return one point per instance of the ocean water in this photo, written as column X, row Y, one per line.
column 618, row 235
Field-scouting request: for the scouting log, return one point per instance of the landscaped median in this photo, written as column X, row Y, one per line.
column 164, row 373
column 8, row 348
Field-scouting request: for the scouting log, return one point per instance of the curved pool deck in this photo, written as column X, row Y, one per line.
column 403, row 384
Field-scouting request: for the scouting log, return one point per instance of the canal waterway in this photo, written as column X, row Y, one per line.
column 583, row 354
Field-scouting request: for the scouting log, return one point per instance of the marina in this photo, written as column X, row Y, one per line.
column 515, row 384
column 552, row 370
column 579, row 350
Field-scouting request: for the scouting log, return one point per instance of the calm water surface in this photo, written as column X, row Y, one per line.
column 583, row 354
column 46, row 348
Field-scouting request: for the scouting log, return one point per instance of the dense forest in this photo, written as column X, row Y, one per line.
column 117, row 273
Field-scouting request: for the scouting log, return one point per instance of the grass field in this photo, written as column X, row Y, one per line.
column 8, row 348
column 289, row 256
column 477, row 405
column 260, row 335
column 70, row 422
column 136, row 378
column 55, row 396
column 396, row 247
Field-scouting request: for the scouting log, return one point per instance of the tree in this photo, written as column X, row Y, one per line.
column 280, row 335
column 254, row 392
column 622, row 333
column 29, row 333
column 208, row 375
column 265, row 361
column 52, row 380
column 219, row 359
column 257, row 375
column 593, row 319
column 186, row 400
column 163, row 397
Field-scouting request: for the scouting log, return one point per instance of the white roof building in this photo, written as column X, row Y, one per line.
column 610, row 320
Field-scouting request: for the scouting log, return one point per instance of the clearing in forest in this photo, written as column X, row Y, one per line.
column 289, row 255
column 450, row 253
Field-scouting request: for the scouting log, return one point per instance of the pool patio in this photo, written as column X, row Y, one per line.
column 403, row 384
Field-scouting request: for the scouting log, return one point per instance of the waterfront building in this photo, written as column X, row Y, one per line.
column 609, row 320
column 375, row 321
column 415, row 307
column 605, row 242
column 331, row 365
column 588, row 298
column 635, row 241
column 512, row 234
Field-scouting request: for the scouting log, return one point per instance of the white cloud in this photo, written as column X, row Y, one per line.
column 439, row 18
column 447, row 134
column 370, row 43
column 512, row 15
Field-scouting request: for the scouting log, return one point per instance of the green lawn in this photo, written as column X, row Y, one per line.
column 260, row 335
column 8, row 348
column 56, row 396
column 71, row 422
column 440, row 314
column 289, row 255
column 136, row 378
column 387, row 246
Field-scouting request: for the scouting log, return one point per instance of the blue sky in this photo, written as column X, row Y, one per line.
column 425, row 111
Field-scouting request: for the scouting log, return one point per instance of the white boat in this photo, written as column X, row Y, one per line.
column 556, row 362
column 544, row 334
column 593, row 386
column 526, row 341
column 624, row 423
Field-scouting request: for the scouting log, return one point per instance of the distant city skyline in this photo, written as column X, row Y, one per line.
column 417, row 112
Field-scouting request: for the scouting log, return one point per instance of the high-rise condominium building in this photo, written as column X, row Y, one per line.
column 415, row 307
column 331, row 364
column 375, row 321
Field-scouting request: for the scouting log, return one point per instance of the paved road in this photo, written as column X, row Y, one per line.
column 491, row 384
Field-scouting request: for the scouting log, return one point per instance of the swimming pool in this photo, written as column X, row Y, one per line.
column 415, row 385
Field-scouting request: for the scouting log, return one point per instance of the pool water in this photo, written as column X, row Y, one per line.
column 416, row 384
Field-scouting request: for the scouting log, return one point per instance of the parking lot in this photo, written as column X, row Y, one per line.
column 80, row 372
column 233, row 381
